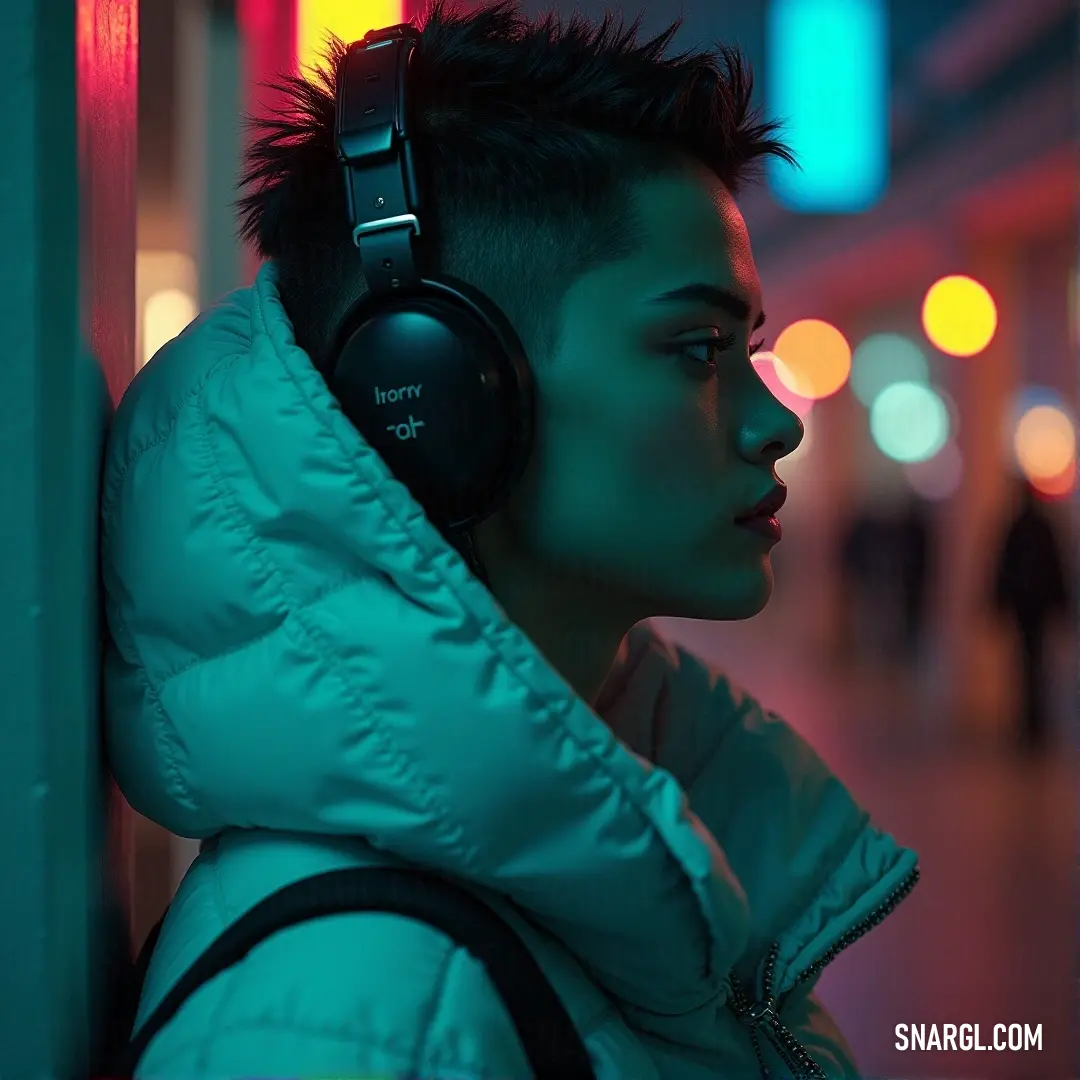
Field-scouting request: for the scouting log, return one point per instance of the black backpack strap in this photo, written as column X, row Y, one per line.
column 552, row 1044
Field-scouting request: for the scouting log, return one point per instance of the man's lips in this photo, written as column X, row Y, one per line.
column 761, row 518
column 768, row 507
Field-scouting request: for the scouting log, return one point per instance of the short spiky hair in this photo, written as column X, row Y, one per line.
column 529, row 139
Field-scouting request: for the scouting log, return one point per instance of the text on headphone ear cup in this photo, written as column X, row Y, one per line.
column 430, row 388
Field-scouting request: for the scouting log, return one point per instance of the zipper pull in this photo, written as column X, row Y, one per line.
column 760, row 1012
column 748, row 1014
column 763, row 1017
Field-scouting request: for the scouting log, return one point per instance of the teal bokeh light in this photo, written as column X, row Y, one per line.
column 909, row 422
column 826, row 77
column 883, row 359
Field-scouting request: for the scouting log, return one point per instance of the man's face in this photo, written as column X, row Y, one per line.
column 655, row 433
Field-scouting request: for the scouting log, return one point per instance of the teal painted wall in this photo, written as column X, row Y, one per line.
column 66, row 278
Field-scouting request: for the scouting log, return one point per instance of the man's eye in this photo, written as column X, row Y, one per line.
column 704, row 352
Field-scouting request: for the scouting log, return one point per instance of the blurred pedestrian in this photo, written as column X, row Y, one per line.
column 866, row 566
column 912, row 532
column 1030, row 589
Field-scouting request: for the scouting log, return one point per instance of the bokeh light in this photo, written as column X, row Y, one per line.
column 349, row 20
column 815, row 358
column 766, row 364
column 883, row 359
column 1057, row 487
column 909, row 422
column 938, row 477
column 1045, row 443
column 959, row 315
column 836, row 115
column 1031, row 395
column 165, row 314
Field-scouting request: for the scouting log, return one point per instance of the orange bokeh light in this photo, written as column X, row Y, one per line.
column 815, row 358
column 1045, row 442
column 1056, row 487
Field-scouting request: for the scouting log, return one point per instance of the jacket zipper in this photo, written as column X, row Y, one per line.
column 764, row 1016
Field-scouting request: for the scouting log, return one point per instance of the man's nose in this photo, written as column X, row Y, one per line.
column 769, row 430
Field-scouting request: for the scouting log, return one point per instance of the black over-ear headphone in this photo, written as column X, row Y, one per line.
column 428, row 369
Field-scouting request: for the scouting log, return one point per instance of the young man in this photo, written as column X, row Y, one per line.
column 305, row 672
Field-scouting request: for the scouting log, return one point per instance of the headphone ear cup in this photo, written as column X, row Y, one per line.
column 442, row 391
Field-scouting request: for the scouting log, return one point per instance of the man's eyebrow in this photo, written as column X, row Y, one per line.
column 715, row 296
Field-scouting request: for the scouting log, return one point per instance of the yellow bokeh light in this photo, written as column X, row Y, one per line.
column 814, row 359
column 959, row 315
column 165, row 314
column 1045, row 442
column 349, row 20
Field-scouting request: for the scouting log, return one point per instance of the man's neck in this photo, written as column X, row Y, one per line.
column 577, row 626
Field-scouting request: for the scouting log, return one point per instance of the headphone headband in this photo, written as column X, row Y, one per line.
column 373, row 142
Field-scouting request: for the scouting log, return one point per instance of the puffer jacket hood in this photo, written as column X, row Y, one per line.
column 294, row 648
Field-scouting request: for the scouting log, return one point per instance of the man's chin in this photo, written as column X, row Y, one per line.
column 725, row 596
